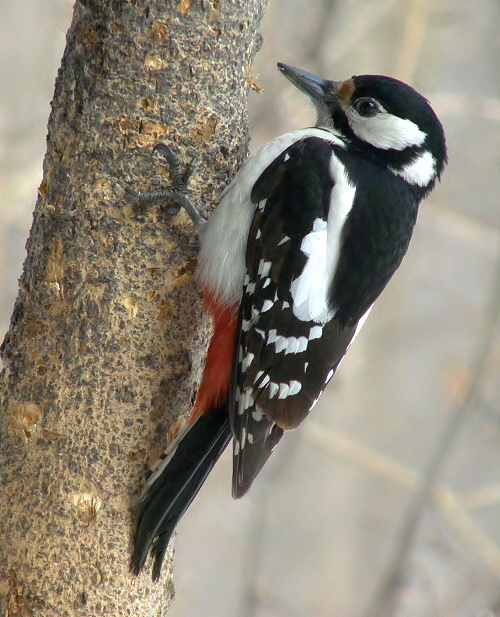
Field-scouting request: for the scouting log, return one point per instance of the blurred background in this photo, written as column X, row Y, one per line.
column 336, row 518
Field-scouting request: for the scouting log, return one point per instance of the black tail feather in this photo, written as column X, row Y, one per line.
column 182, row 503
column 164, row 502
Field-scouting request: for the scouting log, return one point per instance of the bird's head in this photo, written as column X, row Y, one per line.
column 383, row 119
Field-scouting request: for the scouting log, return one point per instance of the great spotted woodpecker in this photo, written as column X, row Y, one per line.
column 304, row 240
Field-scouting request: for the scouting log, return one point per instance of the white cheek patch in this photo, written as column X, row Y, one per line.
column 421, row 171
column 386, row 131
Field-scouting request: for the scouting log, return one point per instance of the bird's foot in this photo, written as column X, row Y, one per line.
column 176, row 196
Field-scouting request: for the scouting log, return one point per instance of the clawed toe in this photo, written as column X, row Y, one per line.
column 177, row 195
column 180, row 177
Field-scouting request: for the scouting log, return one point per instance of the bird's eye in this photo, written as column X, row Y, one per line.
column 366, row 107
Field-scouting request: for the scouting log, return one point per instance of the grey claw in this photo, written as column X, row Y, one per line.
column 177, row 195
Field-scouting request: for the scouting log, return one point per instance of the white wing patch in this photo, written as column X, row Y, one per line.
column 322, row 246
column 310, row 289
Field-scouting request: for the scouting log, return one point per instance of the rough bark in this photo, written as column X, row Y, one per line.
column 107, row 335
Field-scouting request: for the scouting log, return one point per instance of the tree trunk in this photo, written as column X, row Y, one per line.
column 107, row 337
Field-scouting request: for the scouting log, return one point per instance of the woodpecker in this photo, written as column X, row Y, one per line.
column 303, row 241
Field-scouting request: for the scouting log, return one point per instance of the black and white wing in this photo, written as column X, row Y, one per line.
column 289, row 338
column 324, row 241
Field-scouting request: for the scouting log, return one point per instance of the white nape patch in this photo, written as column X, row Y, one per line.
column 420, row 171
column 315, row 332
column 385, row 131
column 221, row 265
column 264, row 268
column 322, row 247
column 268, row 304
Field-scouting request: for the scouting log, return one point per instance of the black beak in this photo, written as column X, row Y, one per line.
column 316, row 88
